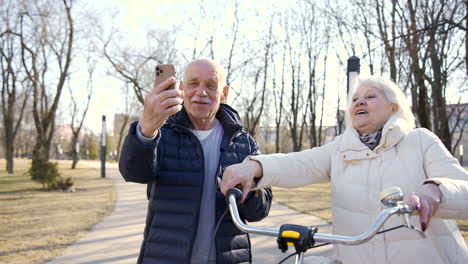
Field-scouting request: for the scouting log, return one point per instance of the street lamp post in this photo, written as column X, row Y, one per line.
column 103, row 147
column 59, row 152
column 352, row 72
column 461, row 154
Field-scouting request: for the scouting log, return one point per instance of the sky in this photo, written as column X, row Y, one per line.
column 108, row 95
column 133, row 18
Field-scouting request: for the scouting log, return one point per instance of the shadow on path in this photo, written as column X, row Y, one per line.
column 117, row 239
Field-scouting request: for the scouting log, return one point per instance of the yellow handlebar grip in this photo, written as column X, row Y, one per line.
column 291, row 234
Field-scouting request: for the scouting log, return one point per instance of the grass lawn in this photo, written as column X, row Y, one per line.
column 37, row 224
column 315, row 200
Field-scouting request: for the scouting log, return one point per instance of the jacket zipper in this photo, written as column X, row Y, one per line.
column 221, row 159
column 197, row 216
column 218, row 187
column 236, row 134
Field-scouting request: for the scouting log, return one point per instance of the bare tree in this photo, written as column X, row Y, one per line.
column 235, row 30
column 75, row 112
column 311, row 33
column 458, row 122
column 14, row 93
column 127, row 116
column 278, row 100
column 46, row 48
column 296, row 99
column 134, row 66
column 320, row 137
column 256, row 105
column 434, row 50
column 422, row 43
column 441, row 44
column 387, row 31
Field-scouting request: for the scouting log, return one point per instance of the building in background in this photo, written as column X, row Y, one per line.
column 458, row 123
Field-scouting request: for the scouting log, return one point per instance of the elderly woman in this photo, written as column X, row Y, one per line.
column 380, row 148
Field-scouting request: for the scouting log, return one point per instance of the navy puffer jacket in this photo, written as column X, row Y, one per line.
column 173, row 168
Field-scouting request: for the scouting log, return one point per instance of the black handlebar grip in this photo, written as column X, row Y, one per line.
column 237, row 194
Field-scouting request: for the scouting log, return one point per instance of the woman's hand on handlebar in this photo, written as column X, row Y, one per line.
column 241, row 174
column 426, row 199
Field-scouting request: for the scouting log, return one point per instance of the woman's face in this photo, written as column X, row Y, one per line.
column 370, row 109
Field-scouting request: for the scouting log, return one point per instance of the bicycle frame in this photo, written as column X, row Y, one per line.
column 391, row 198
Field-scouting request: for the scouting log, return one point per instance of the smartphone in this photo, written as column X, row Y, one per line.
column 164, row 72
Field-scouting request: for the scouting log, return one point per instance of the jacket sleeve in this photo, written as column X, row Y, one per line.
column 257, row 204
column 137, row 159
column 296, row 169
column 442, row 168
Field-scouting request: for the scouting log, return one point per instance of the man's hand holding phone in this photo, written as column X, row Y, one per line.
column 159, row 105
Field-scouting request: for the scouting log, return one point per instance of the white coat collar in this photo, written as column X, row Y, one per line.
column 394, row 130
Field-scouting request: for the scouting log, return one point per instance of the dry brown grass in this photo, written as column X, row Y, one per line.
column 315, row 199
column 36, row 224
column 312, row 199
column 463, row 225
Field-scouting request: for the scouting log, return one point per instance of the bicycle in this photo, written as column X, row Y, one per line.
column 305, row 237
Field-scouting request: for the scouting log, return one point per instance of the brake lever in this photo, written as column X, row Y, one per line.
column 405, row 211
column 393, row 197
column 419, row 231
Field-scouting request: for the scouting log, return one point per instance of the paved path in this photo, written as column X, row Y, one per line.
column 117, row 239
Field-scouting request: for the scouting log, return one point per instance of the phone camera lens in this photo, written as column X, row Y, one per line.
column 158, row 71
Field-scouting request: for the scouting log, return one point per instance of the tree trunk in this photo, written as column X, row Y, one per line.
column 9, row 154
column 419, row 89
column 437, row 40
column 121, row 134
column 277, row 139
column 74, row 153
column 388, row 38
column 75, row 161
column 45, row 104
column 40, row 151
column 8, row 140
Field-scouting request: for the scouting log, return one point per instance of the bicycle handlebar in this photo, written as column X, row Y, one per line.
column 395, row 207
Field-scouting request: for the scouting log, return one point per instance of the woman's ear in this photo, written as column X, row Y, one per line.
column 394, row 108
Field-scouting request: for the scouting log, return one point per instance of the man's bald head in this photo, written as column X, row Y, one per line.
column 220, row 72
column 205, row 89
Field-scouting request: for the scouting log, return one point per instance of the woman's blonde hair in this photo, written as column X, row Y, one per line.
column 393, row 94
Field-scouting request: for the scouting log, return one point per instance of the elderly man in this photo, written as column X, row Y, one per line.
column 180, row 146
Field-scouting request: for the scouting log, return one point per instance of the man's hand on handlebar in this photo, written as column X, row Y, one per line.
column 241, row 174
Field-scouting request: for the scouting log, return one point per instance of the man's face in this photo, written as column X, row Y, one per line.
column 202, row 91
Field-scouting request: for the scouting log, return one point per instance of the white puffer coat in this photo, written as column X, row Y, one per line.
column 405, row 158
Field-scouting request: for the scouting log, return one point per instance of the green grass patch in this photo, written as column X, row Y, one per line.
column 315, row 199
column 36, row 224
